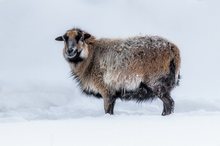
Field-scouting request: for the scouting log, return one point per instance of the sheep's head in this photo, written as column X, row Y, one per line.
column 76, row 44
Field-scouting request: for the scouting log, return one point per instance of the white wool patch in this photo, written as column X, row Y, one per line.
column 122, row 81
column 132, row 83
column 84, row 53
column 90, row 87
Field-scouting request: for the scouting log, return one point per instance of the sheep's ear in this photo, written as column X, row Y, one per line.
column 60, row 38
column 86, row 36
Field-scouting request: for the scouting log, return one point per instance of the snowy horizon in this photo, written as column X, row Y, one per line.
column 36, row 89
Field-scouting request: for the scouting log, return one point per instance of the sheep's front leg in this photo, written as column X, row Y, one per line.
column 109, row 101
column 112, row 107
column 109, row 105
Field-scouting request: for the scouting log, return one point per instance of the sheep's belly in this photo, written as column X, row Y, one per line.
column 122, row 81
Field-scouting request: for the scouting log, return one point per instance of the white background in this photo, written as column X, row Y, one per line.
column 40, row 104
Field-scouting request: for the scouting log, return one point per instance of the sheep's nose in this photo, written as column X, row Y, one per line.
column 70, row 51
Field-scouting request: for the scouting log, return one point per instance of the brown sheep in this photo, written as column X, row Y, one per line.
column 137, row 68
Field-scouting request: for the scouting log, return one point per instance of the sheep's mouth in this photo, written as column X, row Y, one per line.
column 74, row 56
column 71, row 54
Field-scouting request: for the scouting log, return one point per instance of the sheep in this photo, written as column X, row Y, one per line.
column 138, row 68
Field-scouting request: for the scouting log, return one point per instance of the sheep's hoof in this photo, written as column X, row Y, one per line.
column 165, row 113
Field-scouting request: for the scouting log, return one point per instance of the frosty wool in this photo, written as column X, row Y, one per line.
column 137, row 68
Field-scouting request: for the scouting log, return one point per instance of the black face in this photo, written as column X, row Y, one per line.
column 70, row 44
column 73, row 40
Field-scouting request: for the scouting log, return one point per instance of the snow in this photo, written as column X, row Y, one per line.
column 119, row 130
column 40, row 104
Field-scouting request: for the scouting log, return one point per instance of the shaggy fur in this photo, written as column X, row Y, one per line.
column 137, row 68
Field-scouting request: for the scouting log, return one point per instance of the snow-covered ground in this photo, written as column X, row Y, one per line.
column 120, row 130
column 41, row 105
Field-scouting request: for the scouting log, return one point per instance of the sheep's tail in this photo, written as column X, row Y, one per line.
column 176, row 61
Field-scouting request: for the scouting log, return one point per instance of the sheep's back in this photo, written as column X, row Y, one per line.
column 133, row 60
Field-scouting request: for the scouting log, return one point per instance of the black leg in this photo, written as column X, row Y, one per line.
column 165, row 106
column 109, row 105
column 171, row 103
column 112, row 108
column 168, row 104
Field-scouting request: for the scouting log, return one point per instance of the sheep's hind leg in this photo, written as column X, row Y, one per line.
column 163, row 94
column 168, row 104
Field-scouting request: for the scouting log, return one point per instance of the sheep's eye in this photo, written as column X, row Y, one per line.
column 78, row 37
